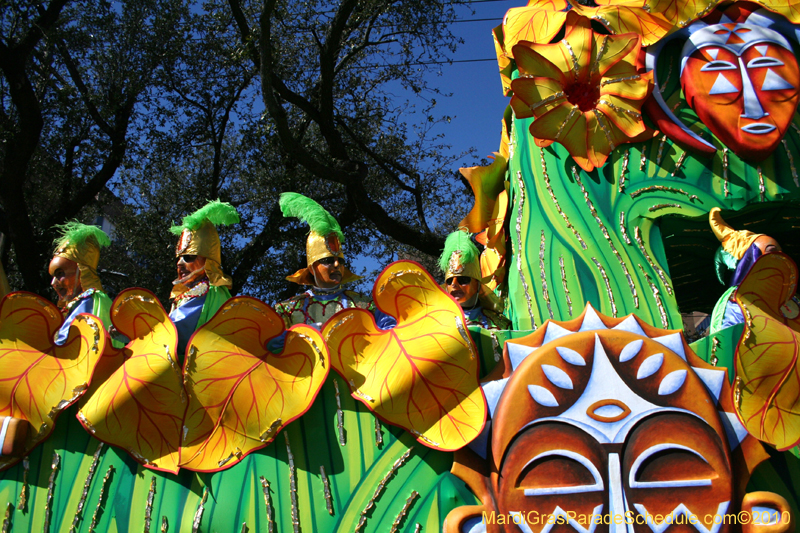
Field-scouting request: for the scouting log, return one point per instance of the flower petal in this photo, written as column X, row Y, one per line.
column 565, row 124
column 535, row 96
column 599, row 140
column 572, row 54
column 632, row 87
column 610, row 50
column 626, row 19
column 532, row 63
column 625, row 117
column 538, row 23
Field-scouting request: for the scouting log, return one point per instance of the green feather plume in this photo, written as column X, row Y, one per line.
column 218, row 213
column 78, row 234
column 307, row 210
column 458, row 241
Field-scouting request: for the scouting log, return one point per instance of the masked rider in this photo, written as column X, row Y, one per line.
column 74, row 274
column 326, row 271
column 202, row 286
column 462, row 277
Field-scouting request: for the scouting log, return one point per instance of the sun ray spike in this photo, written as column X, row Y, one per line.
column 554, row 331
column 674, row 342
column 591, row 320
column 631, row 325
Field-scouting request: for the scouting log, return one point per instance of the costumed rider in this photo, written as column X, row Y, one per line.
column 326, row 271
column 739, row 251
column 74, row 272
column 202, row 287
column 462, row 278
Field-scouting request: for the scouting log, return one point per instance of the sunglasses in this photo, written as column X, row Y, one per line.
column 462, row 280
column 329, row 261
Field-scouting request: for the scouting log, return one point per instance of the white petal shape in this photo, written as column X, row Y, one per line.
column 674, row 342
column 493, row 390
column 650, row 366
column 542, row 396
column 630, row 350
column 591, row 320
column 571, row 356
column 713, row 380
column 553, row 332
column 723, row 86
column 557, row 377
column 672, row 382
column 734, row 429
column 774, row 82
column 517, row 353
column 630, row 325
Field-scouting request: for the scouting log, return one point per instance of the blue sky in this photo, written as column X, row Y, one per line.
column 477, row 103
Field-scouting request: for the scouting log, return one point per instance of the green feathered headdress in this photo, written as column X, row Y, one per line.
column 216, row 212
column 76, row 234
column 81, row 243
column 307, row 210
column 458, row 241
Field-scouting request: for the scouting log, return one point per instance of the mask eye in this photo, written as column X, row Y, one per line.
column 575, row 473
column 670, row 466
column 716, row 65
column 764, row 62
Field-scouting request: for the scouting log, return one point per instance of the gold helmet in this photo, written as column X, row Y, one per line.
column 325, row 237
column 81, row 243
column 198, row 236
column 460, row 257
column 734, row 242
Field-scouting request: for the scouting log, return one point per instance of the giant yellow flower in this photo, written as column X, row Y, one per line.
column 584, row 92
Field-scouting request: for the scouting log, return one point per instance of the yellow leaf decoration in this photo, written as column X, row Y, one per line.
column 240, row 393
column 681, row 12
column 538, row 22
column 39, row 379
column 423, row 374
column 487, row 183
column 766, row 390
column 140, row 407
column 788, row 8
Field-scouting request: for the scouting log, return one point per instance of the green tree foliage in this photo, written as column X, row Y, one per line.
column 143, row 110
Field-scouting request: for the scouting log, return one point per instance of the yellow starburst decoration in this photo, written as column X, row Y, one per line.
column 584, row 91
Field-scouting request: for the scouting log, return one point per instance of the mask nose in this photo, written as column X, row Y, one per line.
column 616, row 497
column 752, row 107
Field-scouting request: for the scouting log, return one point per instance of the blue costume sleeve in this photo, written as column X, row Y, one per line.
column 84, row 306
column 383, row 320
column 733, row 315
column 185, row 319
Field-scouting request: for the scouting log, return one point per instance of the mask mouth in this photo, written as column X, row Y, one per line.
column 759, row 128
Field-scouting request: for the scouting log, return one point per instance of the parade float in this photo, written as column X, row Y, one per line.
column 627, row 124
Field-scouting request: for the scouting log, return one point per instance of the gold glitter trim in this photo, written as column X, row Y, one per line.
column 103, row 487
column 618, row 109
column 564, row 282
column 601, row 121
column 663, row 206
column 643, row 160
column 659, row 303
column 575, row 66
column 314, row 347
column 555, row 202
column 23, row 492
column 519, row 247
column 51, row 485
column 663, row 188
column 378, row 433
column 725, row 171
column 679, row 164
column 607, row 236
column 164, row 525
column 268, row 505
column 622, row 228
column 791, row 162
column 148, row 510
column 380, row 488
column 625, row 159
column 198, row 515
column 595, row 69
column 714, row 346
column 292, row 486
column 545, row 293
column 462, row 330
column 620, row 80
column 608, row 286
column 7, row 518
column 550, row 99
column 326, row 488
column 339, row 414
column 761, row 187
column 86, row 484
column 404, row 511
column 661, row 149
column 572, row 112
